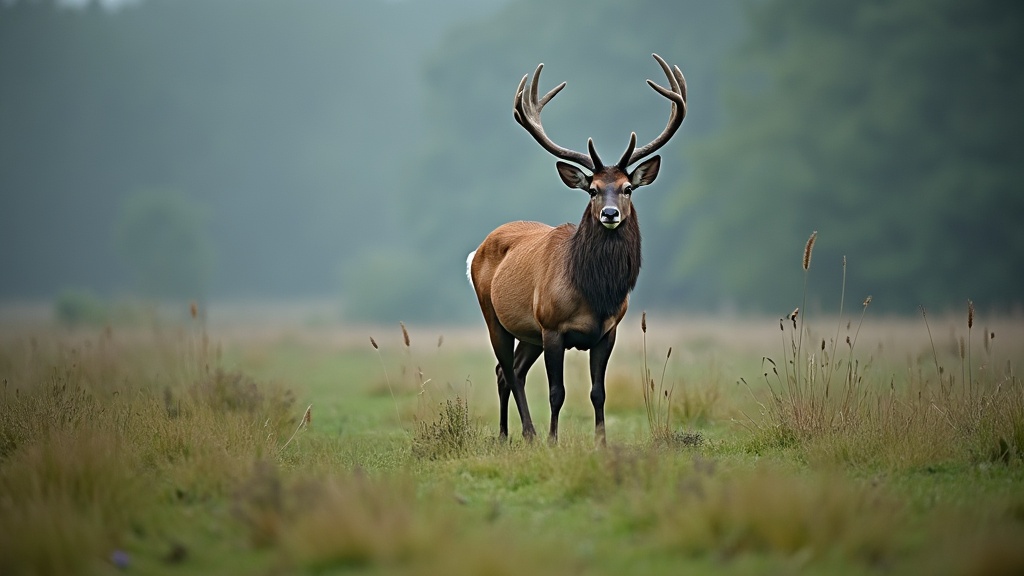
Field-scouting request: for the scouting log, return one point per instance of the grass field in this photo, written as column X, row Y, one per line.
column 759, row 447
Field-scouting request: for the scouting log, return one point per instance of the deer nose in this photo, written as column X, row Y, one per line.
column 610, row 214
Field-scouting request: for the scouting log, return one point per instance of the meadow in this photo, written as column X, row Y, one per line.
column 844, row 444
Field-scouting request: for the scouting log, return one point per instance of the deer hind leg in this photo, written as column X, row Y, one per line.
column 503, row 342
column 526, row 354
column 503, row 393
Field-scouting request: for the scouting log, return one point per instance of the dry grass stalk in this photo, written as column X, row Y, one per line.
column 808, row 249
column 970, row 324
column 935, row 356
column 387, row 378
column 657, row 400
column 306, row 420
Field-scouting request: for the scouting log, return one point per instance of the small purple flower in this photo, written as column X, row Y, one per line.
column 120, row 558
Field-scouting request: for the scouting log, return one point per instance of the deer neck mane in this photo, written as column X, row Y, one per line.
column 604, row 264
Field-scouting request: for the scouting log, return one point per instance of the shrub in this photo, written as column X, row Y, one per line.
column 74, row 308
column 451, row 434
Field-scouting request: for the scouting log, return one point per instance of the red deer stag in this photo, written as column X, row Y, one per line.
column 566, row 287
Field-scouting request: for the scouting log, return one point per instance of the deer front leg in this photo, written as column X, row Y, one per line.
column 599, row 356
column 554, row 356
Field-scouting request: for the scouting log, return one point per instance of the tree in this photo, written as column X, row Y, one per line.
column 892, row 128
column 289, row 120
column 163, row 241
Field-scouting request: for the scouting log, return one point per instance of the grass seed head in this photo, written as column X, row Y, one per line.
column 374, row 343
column 405, row 334
column 808, row 248
column 643, row 322
column 970, row 314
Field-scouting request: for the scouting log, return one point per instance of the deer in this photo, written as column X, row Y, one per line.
column 552, row 289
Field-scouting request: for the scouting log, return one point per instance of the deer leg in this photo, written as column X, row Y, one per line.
column 554, row 357
column 599, row 356
column 503, row 393
column 502, row 342
column 526, row 355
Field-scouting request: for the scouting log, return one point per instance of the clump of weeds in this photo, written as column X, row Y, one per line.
column 452, row 433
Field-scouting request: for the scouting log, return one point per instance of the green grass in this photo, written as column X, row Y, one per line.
column 178, row 453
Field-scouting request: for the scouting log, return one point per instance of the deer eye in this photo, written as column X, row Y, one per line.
column 627, row 190
column 593, row 192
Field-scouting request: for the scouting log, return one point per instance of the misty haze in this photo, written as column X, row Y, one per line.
column 237, row 337
column 352, row 153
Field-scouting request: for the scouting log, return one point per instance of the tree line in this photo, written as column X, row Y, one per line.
column 361, row 149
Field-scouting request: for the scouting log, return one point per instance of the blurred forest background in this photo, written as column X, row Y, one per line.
column 357, row 150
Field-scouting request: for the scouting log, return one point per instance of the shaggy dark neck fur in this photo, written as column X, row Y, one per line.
column 604, row 264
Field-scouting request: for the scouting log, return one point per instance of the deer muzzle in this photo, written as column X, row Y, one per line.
column 610, row 217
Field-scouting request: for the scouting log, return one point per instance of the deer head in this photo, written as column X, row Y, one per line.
column 610, row 187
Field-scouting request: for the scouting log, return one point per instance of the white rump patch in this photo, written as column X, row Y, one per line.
column 469, row 267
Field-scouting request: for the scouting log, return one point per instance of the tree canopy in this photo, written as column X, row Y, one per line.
column 361, row 149
column 892, row 128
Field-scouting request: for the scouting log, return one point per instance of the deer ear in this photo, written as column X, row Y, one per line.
column 645, row 173
column 573, row 176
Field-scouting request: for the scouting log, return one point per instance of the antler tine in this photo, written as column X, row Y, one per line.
column 516, row 101
column 526, row 111
column 535, row 85
column 681, row 80
column 624, row 161
column 551, row 94
column 593, row 154
column 677, row 95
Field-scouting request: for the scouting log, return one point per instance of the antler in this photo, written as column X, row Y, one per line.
column 526, row 110
column 676, row 93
